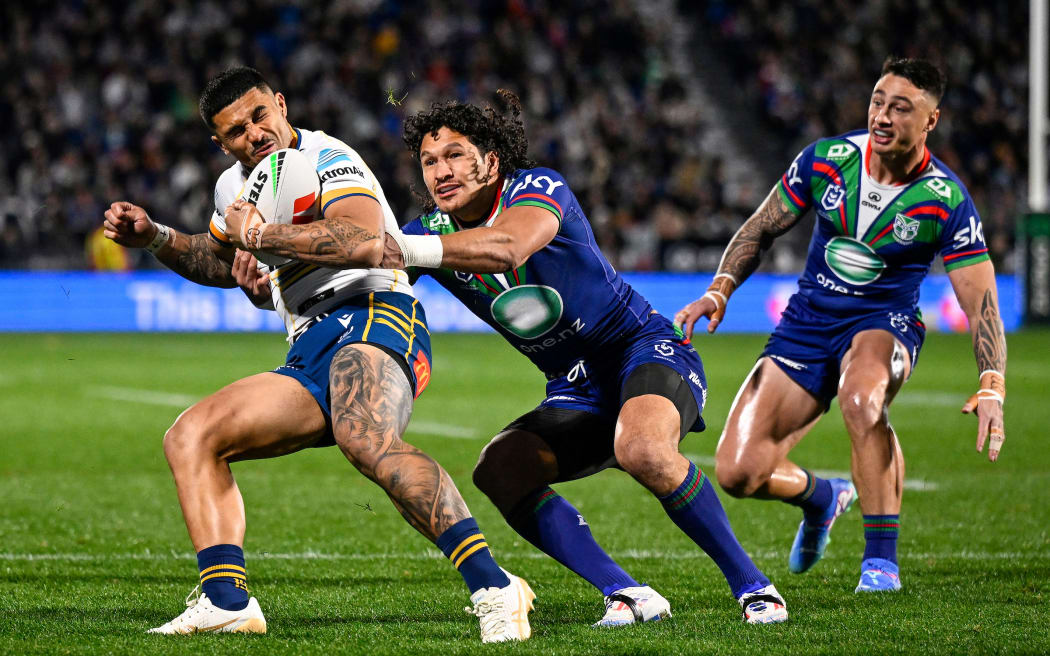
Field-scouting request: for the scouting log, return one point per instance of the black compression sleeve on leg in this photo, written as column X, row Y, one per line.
column 652, row 378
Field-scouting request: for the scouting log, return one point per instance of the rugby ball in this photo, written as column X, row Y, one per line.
column 284, row 187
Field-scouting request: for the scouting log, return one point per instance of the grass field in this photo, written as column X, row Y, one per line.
column 93, row 550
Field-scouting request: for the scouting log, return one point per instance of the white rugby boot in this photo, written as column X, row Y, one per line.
column 202, row 616
column 634, row 605
column 763, row 606
column 504, row 612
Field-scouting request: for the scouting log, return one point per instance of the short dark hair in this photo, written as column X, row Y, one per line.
column 920, row 72
column 489, row 128
column 227, row 87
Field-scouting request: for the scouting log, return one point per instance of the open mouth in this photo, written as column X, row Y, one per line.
column 446, row 190
column 882, row 137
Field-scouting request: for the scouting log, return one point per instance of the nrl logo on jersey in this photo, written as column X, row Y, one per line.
column 905, row 229
column 832, row 198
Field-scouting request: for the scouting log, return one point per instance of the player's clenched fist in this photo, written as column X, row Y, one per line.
column 128, row 225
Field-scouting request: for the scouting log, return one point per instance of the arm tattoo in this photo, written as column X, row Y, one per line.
column 194, row 259
column 327, row 243
column 989, row 342
column 371, row 405
column 770, row 220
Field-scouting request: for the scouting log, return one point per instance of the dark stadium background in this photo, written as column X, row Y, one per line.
column 671, row 120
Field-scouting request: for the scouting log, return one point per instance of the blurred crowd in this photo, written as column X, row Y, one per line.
column 808, row 68
column 100, row 100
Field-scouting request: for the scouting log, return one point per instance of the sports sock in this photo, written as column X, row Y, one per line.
column 880, row 536
column 557, row 529
column 695, row 508
column 223, row 577
column 815, row 499
column 465, row 546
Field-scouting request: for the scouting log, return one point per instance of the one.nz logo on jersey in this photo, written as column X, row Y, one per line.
column 528, row 311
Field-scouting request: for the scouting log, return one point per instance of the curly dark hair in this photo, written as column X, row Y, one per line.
column 498, row 129
column 227, row 87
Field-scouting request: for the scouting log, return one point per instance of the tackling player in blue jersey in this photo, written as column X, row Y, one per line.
column 359, row 355
column 511, row 242
column 885, row 208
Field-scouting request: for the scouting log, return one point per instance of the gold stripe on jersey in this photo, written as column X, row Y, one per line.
column 285, row 280
column 395, row 313
column 336, row 194
column 385, row 322
column 408, row 353
column 219, row 234
column 371, row 313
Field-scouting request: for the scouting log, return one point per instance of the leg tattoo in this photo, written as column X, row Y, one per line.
column 371, row 405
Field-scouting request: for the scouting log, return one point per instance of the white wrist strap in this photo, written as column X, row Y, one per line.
column 985, row 394
column 162, row 238
column 730, row 276
column 423, row 251
column 716, row 297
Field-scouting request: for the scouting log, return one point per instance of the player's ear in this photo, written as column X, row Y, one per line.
column 218, row 142
column 931, row 122
column 492, row 163
column 279, row 98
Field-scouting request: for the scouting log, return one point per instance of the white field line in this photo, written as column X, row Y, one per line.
column 176, row 400
column 151, row 397
column 442, row 430
column 913, row 484
column 637, row 554
column 939, row 399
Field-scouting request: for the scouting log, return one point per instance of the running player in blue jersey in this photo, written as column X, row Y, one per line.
column 339, row 386
column 885, row 208
column 512, row 243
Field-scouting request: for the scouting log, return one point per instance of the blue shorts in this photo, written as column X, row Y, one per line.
column 809, row 345
column 392, row 321
column 594, row 385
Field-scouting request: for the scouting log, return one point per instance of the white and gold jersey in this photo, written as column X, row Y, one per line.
column 301, row 291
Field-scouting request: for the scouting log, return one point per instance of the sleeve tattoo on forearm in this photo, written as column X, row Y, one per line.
column 772, row 219
column 199, row 263
column 989, row 342
column 329, row 243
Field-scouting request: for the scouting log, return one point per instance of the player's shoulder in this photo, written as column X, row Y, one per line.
column 840, row 148
column 942, row 184
column 229, row 184
column 541, row 178
column 325, row 150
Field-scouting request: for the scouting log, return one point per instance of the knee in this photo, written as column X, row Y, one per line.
column 738, row 479
column 645, row 456
column 195, row 434
column 862, row 408
column 511, row 466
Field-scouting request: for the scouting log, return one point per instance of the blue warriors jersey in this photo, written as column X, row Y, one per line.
column 873, row 244
column 566, row 302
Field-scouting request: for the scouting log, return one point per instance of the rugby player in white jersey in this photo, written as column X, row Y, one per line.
column 360, row 352
column 885, row 208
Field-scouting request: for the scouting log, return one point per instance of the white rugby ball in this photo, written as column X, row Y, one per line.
column 284, row 187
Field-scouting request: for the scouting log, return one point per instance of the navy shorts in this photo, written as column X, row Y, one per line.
column 392, row 321
column 594, row 385
column 809, row 345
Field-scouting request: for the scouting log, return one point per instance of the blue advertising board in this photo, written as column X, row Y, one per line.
column 162, row 301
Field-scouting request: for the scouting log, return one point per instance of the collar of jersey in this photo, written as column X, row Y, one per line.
column 497, row 207
column 913, row 175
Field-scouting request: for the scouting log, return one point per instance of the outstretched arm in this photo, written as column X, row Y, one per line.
column 772, row 219
column 349, row 235
column 513, row 237
column 974, row 286
column 194, row 257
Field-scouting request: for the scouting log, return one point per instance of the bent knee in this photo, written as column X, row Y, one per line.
column 512, row 465
column 739, row 480
column 863, row 408
column 643, row 456
column 196, row 433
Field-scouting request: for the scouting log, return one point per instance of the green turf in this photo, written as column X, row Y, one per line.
column 84, row 487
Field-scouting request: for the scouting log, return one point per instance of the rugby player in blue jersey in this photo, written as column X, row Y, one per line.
column 339, row 386
column 885, row 208
column 512, row 243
